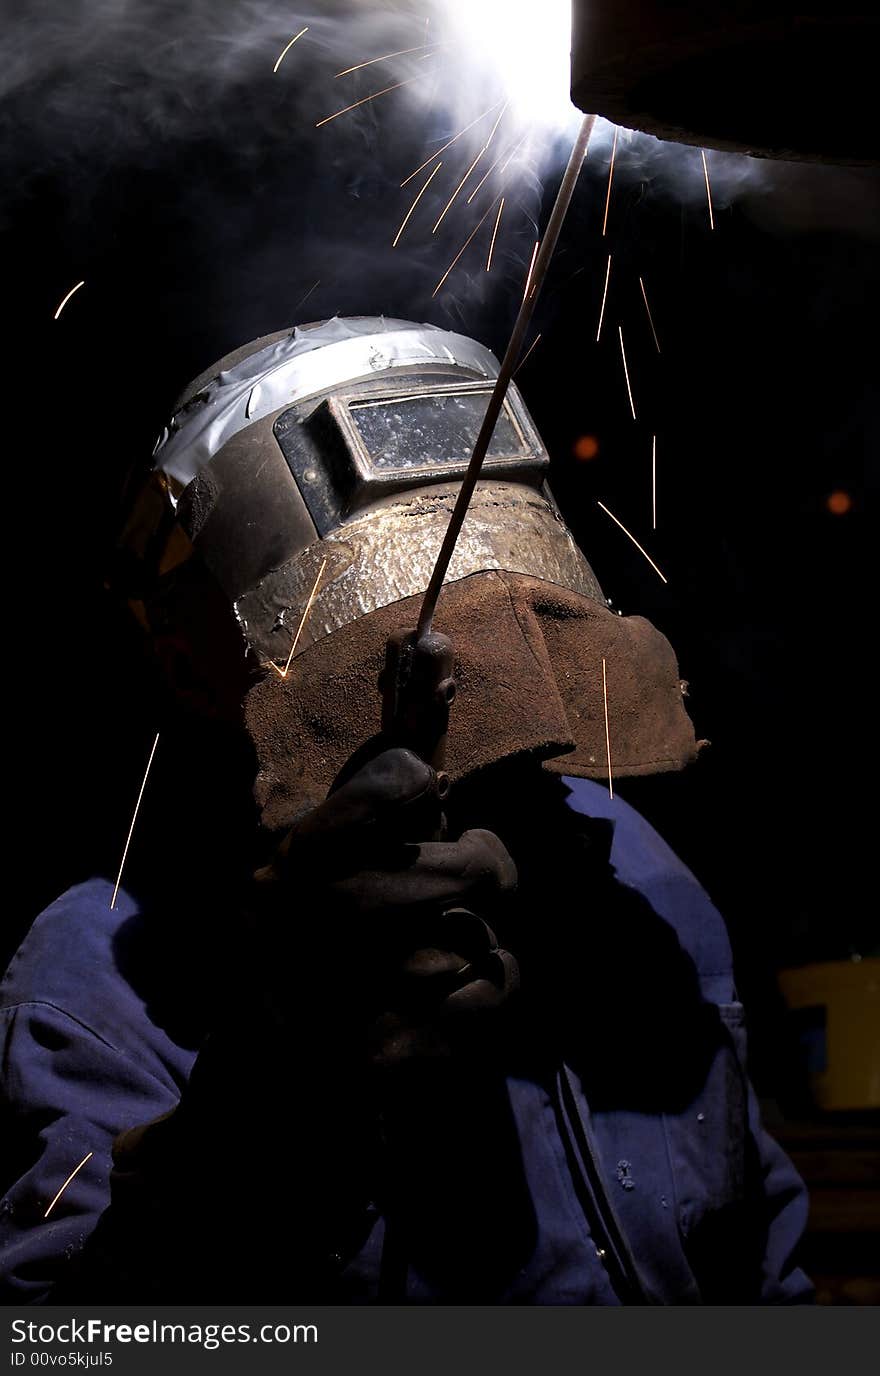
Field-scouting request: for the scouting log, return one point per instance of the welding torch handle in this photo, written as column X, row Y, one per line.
column 509, row 362
column 417, row 691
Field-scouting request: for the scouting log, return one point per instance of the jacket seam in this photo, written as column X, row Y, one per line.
column 71, row 1017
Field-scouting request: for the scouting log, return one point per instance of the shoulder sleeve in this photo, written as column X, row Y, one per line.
column 643, row 861
column 776, row 1194
column 82, row 1060
column 785, row 1206
column 67, row 1094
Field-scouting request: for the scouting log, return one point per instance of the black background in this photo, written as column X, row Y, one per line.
column 209, row 229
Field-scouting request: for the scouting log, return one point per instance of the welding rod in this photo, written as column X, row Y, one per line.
column 509, row 362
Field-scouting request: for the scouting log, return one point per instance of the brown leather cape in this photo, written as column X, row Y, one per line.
column 528, row 667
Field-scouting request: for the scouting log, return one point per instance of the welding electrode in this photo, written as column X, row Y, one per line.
column 417, row 684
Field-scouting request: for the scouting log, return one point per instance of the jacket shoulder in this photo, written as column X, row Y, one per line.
column 78, row 960
column 645, row 862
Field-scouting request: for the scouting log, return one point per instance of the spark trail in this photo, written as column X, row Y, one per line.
column 604, row 295
column 449, row 142
column 708, row 188
column 632, row 405
column 462, row 249
column 494, row 235
column 414, row 204
column 639, row 547
column 73, row 1173
column 67, row 297
column 610, row 177
column 650, row 317
column 293, row 40
column 133, row 820
column 375, row 95
column 282, row 673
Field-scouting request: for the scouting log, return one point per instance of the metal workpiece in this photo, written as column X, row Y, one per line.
column 388, row 554
column 779, row 79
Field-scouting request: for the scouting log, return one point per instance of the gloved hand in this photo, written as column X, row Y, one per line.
column 390, row 929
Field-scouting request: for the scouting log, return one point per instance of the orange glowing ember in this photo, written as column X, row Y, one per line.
column 839, row 503
column 585, row 447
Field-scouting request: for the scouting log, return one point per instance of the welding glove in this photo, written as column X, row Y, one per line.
column 390, row 928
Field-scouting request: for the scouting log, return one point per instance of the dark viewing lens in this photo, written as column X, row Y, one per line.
column 431, row 431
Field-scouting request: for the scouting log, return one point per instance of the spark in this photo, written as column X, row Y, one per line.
column 67, row 1182
column 495, row 125
column 283, row 672
column 626, row 372
column 604, row 294
column 450, row 142
column 610, row 175
column 634, row 540
column 457, row 189
column 607, row 735
column 494, row 233
column 401, row 52
column 133, row 820
column 415, row 203
column 461, row 250
column 484, row 177
column 470, row 170
column 68, row 296
column 396, row 87
column 289, row 46
column 708, row 188
column 514, row 151
column 527, row 352
column 531, row 268
column 654, row 481
column 488, row 174
column 302, row 300
column 650, row 317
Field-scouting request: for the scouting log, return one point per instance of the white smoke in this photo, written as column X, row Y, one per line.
column 98, row 87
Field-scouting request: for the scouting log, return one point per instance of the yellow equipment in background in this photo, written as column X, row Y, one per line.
column 836, row 1007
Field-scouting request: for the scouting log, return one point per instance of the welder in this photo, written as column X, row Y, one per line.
column 472, row 1034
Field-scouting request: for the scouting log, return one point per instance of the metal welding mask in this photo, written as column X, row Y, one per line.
column 315, row 471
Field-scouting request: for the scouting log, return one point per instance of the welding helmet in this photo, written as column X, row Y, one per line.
column 315, row 471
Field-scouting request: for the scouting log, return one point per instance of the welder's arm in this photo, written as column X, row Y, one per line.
column 65, row 1093
column 397, row 927
column 784, row 1208
column 259, row 1184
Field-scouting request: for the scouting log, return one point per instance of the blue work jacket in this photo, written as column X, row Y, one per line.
column 667, row 1203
